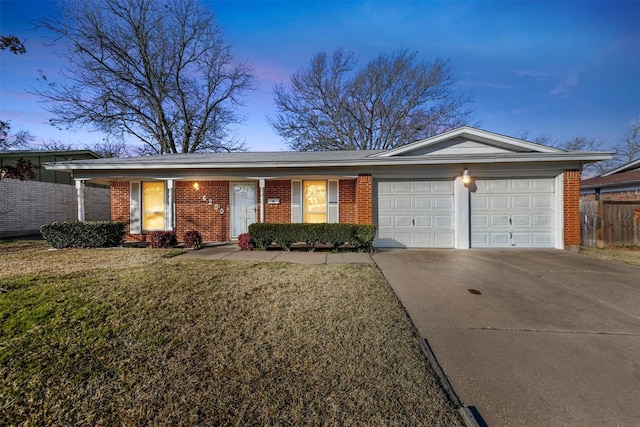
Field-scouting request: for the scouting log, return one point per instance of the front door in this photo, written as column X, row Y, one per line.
column 243, row 207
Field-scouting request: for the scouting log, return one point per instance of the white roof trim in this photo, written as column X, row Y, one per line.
column 473, row 134
column 624, row 168
column 583, row 156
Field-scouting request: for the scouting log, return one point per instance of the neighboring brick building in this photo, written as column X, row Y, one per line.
column 50, row 196
column 463, row 188
column 621, row 184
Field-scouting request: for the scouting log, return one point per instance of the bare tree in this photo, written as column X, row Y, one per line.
column 111, row 147
column 158, row 70
column 394, row 100
column 56, row 145
column 628, row 147
column 12, row 141
column 12, row 43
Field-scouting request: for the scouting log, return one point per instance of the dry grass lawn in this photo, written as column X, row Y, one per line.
column 139, row 337
column 618, row 254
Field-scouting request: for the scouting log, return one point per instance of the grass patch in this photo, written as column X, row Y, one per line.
column 627, row 255
column 144, row 339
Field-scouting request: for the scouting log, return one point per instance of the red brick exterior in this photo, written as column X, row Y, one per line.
column 364, row 199
column 347, row 201
column 355, row 204
column 571, row 209
column 193, row 213
column 121, row 207
column 277, row 213
column 615, row 196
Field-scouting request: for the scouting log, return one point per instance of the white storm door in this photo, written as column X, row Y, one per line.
column 518, row 212
column 243, row 207
column 415, row 214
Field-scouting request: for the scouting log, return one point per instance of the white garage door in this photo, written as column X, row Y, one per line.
column 513, row 212
column 414, row 214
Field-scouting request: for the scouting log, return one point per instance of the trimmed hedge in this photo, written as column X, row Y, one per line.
column 358, row 236
column 83, row 234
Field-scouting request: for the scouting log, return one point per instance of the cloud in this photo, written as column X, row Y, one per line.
column 564, row 83
column 490, row 85
column 536, row 74
column 566, row 86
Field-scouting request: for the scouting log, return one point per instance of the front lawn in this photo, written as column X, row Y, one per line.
column 627, row 255
column 139, row 337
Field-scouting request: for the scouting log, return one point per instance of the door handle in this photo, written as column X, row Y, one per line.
column 413, row 221
column 510, row 235
column 510, row 221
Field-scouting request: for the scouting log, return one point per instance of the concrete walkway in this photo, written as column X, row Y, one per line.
column 529, row 337
column 231, row 252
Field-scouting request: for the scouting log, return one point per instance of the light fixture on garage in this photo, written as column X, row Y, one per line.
column 466, row 176
column 196, row 186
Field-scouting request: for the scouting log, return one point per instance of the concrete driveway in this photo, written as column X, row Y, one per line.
column 528, row 337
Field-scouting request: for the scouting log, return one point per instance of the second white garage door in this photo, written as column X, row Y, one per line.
column 513, row 212
column 414, row 214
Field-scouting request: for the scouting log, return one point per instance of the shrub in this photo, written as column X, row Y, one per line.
column 83, row 234
column 245, row 242
column 358, row 236
column 163, row 239
column 192, row 239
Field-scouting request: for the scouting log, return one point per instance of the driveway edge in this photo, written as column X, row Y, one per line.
column 470, row 414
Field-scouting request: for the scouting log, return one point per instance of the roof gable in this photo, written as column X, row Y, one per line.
column 467, row 141
column 634, row 165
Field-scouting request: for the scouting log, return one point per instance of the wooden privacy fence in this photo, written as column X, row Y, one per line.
column 610, row 223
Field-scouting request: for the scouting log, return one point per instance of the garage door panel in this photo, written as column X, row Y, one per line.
column 415, row 213
column 513, row 212
column 543, row 202
column 423, row 221
column 402, row 221
column 443, row 240
column 423, row 203
column 401, row 187
column 499, row 202
column 521, row 220
column 499, row 221
column 443, row 203
column 443, row 221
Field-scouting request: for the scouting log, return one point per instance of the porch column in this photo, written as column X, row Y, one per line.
column 80, row 191
column 170, row 208
column 262, row 200
column 462, row 211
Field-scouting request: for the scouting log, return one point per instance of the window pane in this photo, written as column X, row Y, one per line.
column 315, row 201
column 153, row 205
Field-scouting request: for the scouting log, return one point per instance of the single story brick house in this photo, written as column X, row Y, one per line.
column 466, row 188
column 621, row 185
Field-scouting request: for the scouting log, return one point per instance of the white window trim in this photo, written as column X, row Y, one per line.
column 297, row 200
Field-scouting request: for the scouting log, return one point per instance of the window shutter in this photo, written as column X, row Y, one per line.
column 332, row 202
column 135, row 219
column 296, row 201
column 168, row 205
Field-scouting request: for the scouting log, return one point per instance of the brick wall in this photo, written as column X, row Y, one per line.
column 571, row 209
column 27, row 205
column 347, row 201
column 120, row 207
column 192, row 213
column 364, row 196
column 280, row 213
column 616, row 196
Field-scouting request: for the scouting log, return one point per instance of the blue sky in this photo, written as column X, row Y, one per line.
column 561, row 69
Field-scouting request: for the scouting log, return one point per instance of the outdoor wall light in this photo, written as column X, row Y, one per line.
column 196, row 186
column 466, row 176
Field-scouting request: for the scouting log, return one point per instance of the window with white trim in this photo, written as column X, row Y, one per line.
column 148, row 206
column 314, row 201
